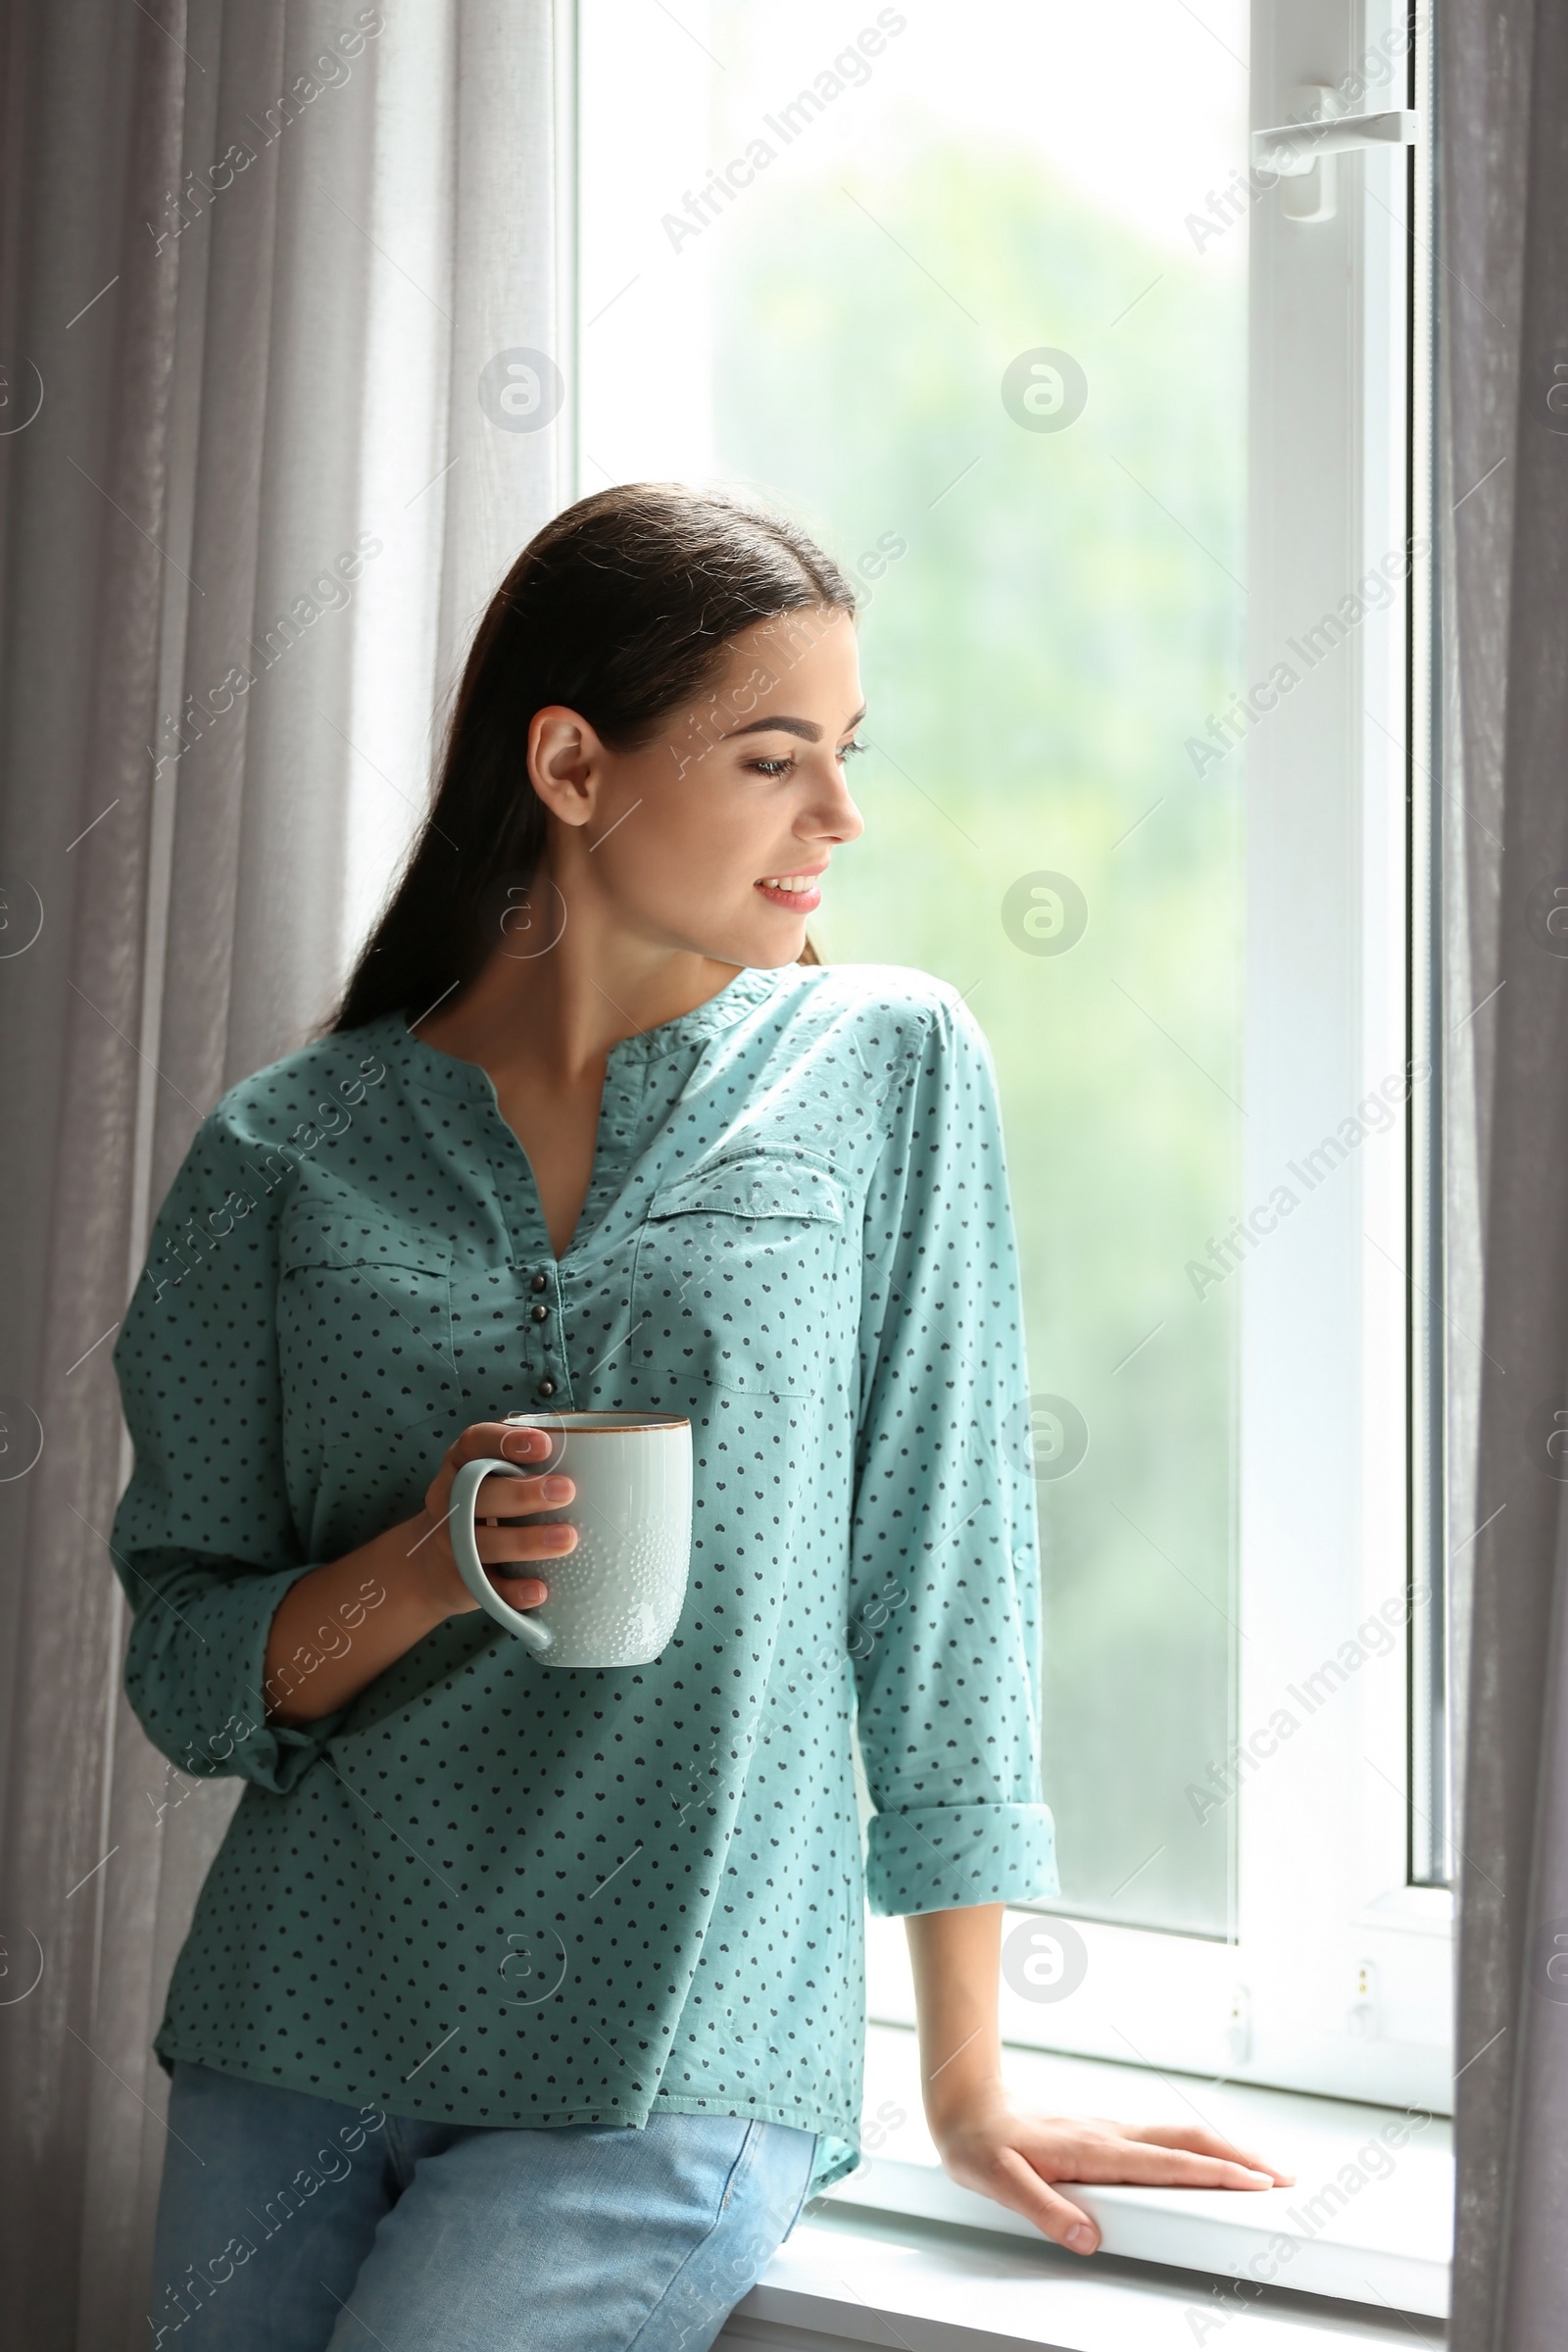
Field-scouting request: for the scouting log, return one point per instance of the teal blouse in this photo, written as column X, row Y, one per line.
column 497, row 1892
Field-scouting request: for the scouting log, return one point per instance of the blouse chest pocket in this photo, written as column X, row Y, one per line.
column 740, row 1276
column 363, row 1312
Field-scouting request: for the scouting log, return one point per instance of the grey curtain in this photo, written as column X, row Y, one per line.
column 1504, row 332
column 255, row 262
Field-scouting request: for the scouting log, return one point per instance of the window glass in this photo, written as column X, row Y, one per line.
column 965, row 291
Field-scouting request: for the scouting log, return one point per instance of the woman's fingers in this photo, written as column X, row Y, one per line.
column 1096, row 2151
column 1163, row 2153
column 506, row 1538
column 1017, row 2185
column 1135, row 2160
column 502, row 1500
column 1198, row 2139
column 500, row 1546
column 519, row 1591
column 505, row 1497
column 505, row 1438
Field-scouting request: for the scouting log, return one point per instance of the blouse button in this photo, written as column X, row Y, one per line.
column 546, row 1388
column 539, row 1314
column 538, row 1283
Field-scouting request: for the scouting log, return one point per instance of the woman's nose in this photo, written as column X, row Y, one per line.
column 837, row 818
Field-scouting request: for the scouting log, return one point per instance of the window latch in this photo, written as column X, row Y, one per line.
column 1301, row 152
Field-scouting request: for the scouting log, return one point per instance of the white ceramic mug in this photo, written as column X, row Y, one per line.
column 614, row 1599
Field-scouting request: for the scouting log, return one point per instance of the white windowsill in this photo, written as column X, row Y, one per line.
column 842, row 2283
column 898, row 2242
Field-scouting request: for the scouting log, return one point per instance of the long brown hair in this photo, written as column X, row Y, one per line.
column 623, row 608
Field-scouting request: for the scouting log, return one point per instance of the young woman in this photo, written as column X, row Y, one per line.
column 525, row 2006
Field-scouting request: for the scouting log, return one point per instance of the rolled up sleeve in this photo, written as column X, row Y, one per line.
column 945, row 1567
column 204, row 1541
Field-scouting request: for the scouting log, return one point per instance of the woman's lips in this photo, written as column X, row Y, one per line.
column 798, row 901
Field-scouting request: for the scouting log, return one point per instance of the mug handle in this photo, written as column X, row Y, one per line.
column 465, row 1552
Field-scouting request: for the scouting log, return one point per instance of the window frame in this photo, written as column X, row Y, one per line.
column 1336, row 1976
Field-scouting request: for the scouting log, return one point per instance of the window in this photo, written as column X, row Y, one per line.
column 1120, row 437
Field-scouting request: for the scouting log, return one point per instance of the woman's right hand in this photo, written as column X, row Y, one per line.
column 340, row 1626
column 501, row 1547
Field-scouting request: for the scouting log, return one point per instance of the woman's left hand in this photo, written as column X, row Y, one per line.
column 989, row 2144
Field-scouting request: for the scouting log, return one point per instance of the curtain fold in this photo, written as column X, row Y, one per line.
column 1503, row 340
column 242, row 538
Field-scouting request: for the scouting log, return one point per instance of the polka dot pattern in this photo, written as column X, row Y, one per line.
column 493, row 1893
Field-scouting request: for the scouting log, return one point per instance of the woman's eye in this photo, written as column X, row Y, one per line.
column 773, row 768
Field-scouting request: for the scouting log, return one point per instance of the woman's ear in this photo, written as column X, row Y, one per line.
column 565, row 760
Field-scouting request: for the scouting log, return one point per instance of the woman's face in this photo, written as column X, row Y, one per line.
column 691, row 837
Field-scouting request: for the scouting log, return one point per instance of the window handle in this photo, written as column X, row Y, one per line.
column 1302, row 151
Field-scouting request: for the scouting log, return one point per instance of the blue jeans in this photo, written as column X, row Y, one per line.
column 290, row 2224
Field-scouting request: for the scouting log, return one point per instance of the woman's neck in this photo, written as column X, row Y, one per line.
column 555, row 1013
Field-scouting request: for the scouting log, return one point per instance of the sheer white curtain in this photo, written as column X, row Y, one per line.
column 264, row 272
column 1503, row 312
